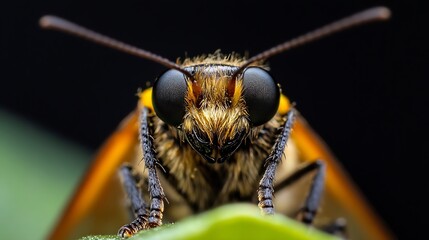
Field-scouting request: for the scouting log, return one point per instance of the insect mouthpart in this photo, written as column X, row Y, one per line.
column 214, row 152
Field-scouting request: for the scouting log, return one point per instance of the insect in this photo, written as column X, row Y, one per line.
column 213, row 130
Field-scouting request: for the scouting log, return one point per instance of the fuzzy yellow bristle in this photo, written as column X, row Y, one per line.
column 233, row 59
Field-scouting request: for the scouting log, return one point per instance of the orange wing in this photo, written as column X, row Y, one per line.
column 100, row 188
column 341, row 191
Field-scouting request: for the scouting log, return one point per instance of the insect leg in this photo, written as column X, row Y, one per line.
column 337, row 227
column 308, row 212
column 266, row 189
column 156, row 192
column 138, row 205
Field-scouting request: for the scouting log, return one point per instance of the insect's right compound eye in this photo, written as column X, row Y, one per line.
column 261, row 94
column 168, row 97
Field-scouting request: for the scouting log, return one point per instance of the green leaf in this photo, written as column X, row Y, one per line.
column 235, row 221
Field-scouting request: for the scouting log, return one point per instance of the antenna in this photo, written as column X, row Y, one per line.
column 366, row 16
column 59, row 24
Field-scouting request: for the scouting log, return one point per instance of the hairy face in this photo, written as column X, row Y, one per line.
column 216, row 122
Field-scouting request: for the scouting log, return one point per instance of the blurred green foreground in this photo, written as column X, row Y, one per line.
column 38, row 172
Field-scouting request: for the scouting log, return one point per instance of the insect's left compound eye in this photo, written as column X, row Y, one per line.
column 261, row 94
column 168, row 97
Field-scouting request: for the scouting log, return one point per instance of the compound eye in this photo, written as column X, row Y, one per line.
column 261, row 94
column 168, row 97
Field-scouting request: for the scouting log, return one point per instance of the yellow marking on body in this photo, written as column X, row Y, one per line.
column 284, row 105
column 146, row 99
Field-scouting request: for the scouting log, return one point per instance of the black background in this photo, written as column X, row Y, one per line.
column 363, row 90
